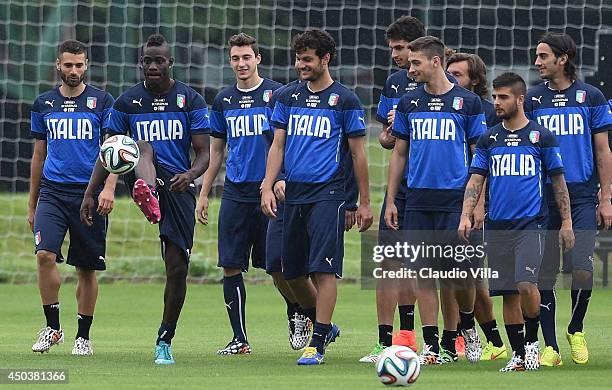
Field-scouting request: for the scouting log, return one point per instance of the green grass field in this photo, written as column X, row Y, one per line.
column 127, row 317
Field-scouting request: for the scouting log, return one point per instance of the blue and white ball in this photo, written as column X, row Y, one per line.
column 398, row 366
column 119, row 154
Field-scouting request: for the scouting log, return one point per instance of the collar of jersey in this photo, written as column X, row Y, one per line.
column 547, row 84
column 250, row 89
column 71, row 97
column 517, row 130
column 321, row 91
column 156, row 95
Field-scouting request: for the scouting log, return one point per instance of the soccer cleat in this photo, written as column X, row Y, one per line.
column 407, row 338
column 460, row 345
column 146, row 201
column 448, row 356
column 516, row 363
column 47, row 337
column 532, row 356
column 235, row 347
column 82, row 347
column 300, row 328
column 163, row 353
column 550, row 358
column 578, row 347
column 491, row 352
column 311, row 357
column 373, row 356
column 334, row 333
column 473, row 349
column 429, row 357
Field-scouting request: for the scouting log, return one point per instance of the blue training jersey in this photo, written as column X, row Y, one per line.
column 165, row 121
column 350, row 184
column 241, row 118
column 440, row 130
column 573, row 115
column 398, row 84
column 517, row 163
column 317, row 125
column 71, row 126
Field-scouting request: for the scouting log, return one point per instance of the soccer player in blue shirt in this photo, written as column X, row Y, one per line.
column 579, row 116
column 239, row 118
column 471, row 73
column 517, row 155
column 166, row 118
column 315, row 122
column 66, row 125
column 391, row 293
column 436, row 125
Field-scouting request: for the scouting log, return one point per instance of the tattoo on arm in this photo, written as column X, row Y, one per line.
column 561, row 196
column 472, row 192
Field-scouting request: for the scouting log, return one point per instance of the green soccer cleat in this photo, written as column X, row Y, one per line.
column 578, row 347
column 491, row 352
column 373, row 356
column 448, row 356
column 550, row 358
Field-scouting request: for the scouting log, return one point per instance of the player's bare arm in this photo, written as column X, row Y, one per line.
column 201, row 146
column 36, row 168
column 471, row 197
column 363, row 215
column 217, row 149
column 273, row 167
column 566, row 234
column 106, row 199
column 386, row 140
column 603, row 159
column 397, row 163
column 479, row 210
column 98, row 177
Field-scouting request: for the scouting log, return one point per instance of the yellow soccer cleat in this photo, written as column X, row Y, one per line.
column 578, row 346
column 550, row 358
column 491, row 352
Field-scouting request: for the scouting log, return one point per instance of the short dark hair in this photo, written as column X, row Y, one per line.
column 405, row 27
column 562, row 44
column 72, row 46
column 319, row 40
column 243, row 39
column 476, row 70
column 155, row 40
column 512, row 80
column 430, row 46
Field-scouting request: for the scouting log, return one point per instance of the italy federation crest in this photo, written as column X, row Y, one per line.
column 534, row 136
column 92, row 102
column 580, row 96
column 267, row 95
column 333, row 99
column 458, row 103
column 181, row 100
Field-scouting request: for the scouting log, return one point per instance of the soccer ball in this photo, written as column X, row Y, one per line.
column 119, row 154
column 398, row 366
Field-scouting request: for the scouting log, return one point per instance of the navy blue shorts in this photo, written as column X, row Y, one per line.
column 516, row 256
column 580, row 257
column 435, row 228
column 57, row 212
column 177, row 222
column 241, row 234
column 274, row 240
column 313, row 238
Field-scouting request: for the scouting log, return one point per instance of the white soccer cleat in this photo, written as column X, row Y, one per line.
column 82, row 347
column 47, row 337
column 473, row 349
column 532, row 356
column 516, row 363
column 300, row 328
